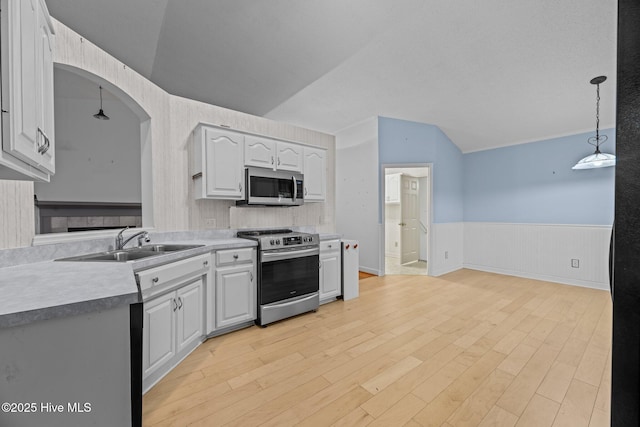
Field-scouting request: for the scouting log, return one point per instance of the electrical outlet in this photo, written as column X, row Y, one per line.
column 575, row 263
column 446, row 254
column 210, row 223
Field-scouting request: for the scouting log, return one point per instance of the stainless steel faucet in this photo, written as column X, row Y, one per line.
column 121, row 242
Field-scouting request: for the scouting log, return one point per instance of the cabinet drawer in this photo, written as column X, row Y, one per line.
column 234, row 256
column 329, row 246
column 158, row 279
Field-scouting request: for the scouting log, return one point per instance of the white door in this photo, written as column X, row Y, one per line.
column 24, row 79
column 315, row 174
column 189, row 319
column 289, row 157
column 224, row 163
column 410, row 223
column 235, row 295
column 330, row 272
column 158, row 335
column 45, row 116
column 259, row 152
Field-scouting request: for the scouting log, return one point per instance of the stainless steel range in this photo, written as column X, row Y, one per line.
column 288, row 273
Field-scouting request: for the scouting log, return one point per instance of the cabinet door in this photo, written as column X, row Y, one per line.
column 392, row 188
column 189, row 314
column 315, row 174
column 158, row 334
column 235, row 295
column 259, row 152
column 289, row 157
column 224, row 165
column 23, row 24
column 329, row 275
column 29, row 56
column 45, row 116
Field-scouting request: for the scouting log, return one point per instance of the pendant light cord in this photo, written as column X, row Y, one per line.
column 598, row 139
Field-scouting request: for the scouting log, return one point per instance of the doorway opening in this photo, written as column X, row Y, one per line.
column 104, row 177
column 406, row 218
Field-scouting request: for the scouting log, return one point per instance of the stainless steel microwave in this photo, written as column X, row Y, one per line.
column 266, row 187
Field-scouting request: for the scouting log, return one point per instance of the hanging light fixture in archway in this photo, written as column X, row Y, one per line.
column 597, row 159
column 100, row 115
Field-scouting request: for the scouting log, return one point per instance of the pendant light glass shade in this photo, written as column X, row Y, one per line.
column 100, row 115
column 597, row 159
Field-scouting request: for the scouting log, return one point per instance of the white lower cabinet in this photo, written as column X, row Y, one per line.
column 234, row 301
column 189, row 319
column 330, row 273
column 174, row 319
column 159, row 343
column 235, row 295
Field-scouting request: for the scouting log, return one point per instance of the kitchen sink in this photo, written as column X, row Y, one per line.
column 168, row 247
column 131, row 254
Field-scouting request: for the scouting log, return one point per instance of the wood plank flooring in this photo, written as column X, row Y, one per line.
column 465, row 349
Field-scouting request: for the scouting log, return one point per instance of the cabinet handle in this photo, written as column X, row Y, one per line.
column 235, row 256
column 42, row 147
column 355, row 246
column 305, row 191
column 251, row 275
column 347, row 246
column 155, row 280
column 240, row 186
column 272, row 161
column 206, row 263
column 278, row 161
column 179, row 303
column 329, row 246
column 175, row 305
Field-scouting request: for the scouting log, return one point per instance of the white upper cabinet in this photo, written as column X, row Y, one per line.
column 260, row 152
column 289, row 157
column 392, row 190
column 220, row 157
column 315, row 174
column 27, row 91
column 217, row 169
column 272, row 154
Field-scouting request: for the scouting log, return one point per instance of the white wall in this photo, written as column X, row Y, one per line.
column 540, row 251
column 168, row 122
column 96, row 160
column 357, row 190
column 448, row 244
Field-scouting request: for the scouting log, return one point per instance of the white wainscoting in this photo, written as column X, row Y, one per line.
column 540, row 251
column 447, row 247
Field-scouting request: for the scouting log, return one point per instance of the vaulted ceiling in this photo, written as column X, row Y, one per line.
column 488, row 73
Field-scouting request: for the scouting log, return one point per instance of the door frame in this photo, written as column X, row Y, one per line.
column 381, row 209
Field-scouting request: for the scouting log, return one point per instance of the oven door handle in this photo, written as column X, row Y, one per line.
column 279, row 256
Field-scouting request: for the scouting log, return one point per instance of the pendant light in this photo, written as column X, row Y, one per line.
column 100, row 115
column 597, row 159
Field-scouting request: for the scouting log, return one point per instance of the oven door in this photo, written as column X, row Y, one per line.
column 287, row 274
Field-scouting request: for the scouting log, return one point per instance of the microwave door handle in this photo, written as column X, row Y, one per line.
column 295, row 188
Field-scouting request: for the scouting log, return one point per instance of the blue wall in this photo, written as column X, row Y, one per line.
column 401, row 141
column 534, row 183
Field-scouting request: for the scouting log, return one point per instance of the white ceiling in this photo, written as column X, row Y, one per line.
column 488, row 73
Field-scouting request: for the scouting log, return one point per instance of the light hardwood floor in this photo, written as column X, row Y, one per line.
column 465, row 349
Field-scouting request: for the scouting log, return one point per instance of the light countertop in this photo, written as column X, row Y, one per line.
column 52, row 289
